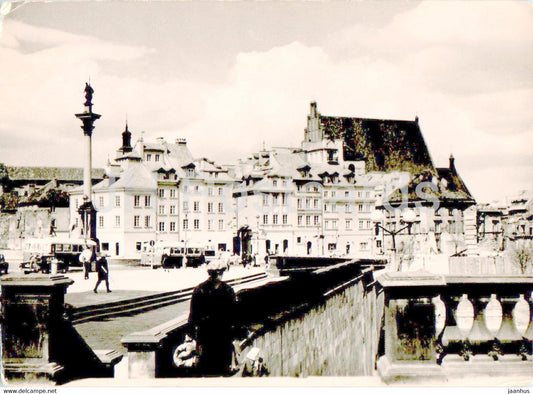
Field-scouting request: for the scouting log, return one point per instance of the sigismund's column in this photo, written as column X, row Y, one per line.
column 86, row 210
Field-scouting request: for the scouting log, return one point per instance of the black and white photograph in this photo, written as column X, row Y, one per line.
column 266, row 194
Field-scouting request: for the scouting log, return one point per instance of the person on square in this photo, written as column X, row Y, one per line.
column 85, row 260
column 103, row 272
column 213, row 322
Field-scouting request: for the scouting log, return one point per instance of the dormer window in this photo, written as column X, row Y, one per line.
column 190, row 171
column 149, row 157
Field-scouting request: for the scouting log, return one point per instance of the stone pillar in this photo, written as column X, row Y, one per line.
column 410, row 332
column 32, row 307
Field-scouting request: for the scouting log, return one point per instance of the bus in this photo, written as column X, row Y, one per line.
column 175, row 254
column 41, row 251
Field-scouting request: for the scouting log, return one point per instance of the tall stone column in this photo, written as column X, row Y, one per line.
column 86, row 210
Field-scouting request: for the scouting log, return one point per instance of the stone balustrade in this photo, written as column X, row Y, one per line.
column 456, row 326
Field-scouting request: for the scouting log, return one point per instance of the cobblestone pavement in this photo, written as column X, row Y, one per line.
column 130, row 282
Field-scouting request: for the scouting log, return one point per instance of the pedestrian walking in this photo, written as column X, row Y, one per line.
column 85, row 259
column 213, row 322
column 103, row 273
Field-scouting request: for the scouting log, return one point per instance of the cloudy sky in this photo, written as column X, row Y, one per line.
column 229, row 76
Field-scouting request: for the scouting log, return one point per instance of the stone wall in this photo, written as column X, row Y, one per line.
column 340, row 337
column 28, row 223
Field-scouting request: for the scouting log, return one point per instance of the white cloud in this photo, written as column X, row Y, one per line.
column 464, row 68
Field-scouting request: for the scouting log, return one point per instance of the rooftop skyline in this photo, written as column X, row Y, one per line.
column 229, row 76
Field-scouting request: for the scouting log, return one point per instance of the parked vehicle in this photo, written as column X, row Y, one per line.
column 39, row 254
column 175, row 254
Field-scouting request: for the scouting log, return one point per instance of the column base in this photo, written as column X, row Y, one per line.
column 28, row 373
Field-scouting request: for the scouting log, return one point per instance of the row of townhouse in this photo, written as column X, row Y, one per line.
column 317, row 199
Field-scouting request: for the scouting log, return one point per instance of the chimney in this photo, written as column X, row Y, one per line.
column 452, row 162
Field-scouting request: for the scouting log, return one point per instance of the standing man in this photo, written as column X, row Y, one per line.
column 103, row 272
column 213, row 321
column 85, row 259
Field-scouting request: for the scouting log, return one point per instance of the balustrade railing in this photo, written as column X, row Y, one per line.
column 457, row 325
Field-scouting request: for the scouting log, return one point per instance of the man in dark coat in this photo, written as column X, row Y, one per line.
column 213, row 322
column 103, row 273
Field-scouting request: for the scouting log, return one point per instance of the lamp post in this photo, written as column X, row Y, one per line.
column 258, row 232
column 408, row 217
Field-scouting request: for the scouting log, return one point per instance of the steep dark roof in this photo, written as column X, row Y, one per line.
column 385, row 145
column 445, row 184
column 49, row 173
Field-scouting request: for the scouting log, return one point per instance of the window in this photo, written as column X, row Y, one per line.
column 367, row 224
column 300, row 219
column 361, row 224
column 185, row 224
column 172, row 193
column 190, row 171
column 136, row 201
column 221, row 224
column 138, row 246
column 275, row 199
column 307, row 202
column 172, row 226
column 209, row 191
column 299, row 240
column 265, row 219
column 274, row 219
column 136, row 221
column 299, row 201
column 105, row 246
column 347, row 208
column 101, row 201
column 333, row 207
column 156, row 157
column 308, row 220
column 100, row 221
column 197, row 224
column 346, row 194
column 117, row 221
column 210, row 208
column 185, row 206
column 146, row 201
column 326, row 193
column 172, row 209
column 161, row 209
column 315, row 220
column 363, row 245
column 117, row 201
column 147, row 221
column 332, row 247
column 360, row 207
column 283, row 199
column 335, row 224
column 196, row 206
column 285, row 219
column 265, row 199
column 315, row 203
column 161, row 193
column 348, row 224
column 333, row 194
column 220, row 207
column 210, row 224
column 148, row 157
column 161, row 226
column 274, row 183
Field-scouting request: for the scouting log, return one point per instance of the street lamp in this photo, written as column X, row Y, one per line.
column 257, row 248
column 408, row 217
